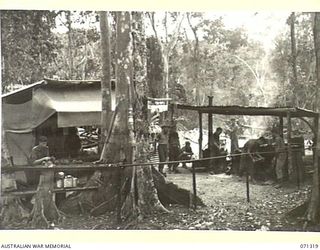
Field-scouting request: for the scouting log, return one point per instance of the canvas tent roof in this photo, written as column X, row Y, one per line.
column 77, row 103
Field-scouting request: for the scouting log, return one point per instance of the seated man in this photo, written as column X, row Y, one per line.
column 39, row 155
column 186, row 153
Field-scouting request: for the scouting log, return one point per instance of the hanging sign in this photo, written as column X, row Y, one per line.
column 158, row 104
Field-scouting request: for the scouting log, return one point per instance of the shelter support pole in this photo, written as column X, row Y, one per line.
column 210, row 137
column 200, row 135
column 315, row 138
column 119, row 170
column 281, row 126
column 194, row 185
column 291, row 171
column 172, row 109
column 247, row 185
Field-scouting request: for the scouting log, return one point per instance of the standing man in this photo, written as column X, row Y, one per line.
column 163, row 140
column 215, row 150
column 233, row 133
column 280, row 156
column 174, row 149
column 216, row 141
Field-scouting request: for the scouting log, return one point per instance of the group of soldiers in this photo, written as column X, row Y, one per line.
column 259, row 158
column 258, row 155
column 169, row 148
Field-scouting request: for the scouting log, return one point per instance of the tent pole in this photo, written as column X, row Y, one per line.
column 281, row 126
column 315, row 138
column 200, row 135
column 210, row 137
column 290, row 161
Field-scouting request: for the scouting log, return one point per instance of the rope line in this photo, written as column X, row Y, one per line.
column 119, row 164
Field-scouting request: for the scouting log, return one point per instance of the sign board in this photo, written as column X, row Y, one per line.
column 158, row 104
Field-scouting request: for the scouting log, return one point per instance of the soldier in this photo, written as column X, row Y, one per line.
column 186, row 153
column 280, row 157
column 174, row 149
column 163, row 139
column 215, row 151
column 39, row 155
column 250, row 156
column 40, row 152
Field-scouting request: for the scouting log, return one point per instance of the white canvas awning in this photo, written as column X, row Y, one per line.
column 74, row 105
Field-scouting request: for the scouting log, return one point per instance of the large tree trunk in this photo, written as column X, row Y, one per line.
column 314, row 205
column 44, row 210
column 135, row 191
column 70, row 56
column 11, row 208
column 294, row 80
column 196, row 59
column 166, row 47
column 154, row 68
column 106, row 78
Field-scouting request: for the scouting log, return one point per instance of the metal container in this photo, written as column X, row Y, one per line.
column 59, row 183
column 74, row 181
column 68, row 181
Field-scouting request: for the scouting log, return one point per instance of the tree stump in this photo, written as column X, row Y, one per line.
column 44, row 210
column 12, row 209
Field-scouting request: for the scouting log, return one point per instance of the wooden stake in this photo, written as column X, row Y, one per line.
column 247, row 184
column 200, row 135
column 210, row 130
column 194, row 184
column 281, row 126
column 119, row 196
column 290, row 161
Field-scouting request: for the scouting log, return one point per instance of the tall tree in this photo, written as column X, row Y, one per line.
column 294, row 80
column 106, row 78
column 281, row 59
column 70, row 45
column 196, row 60
column 143, row 189
column 313, row 214
column 166, row 44
column 28, row 46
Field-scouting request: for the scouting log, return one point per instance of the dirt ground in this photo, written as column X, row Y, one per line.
column 226, row 208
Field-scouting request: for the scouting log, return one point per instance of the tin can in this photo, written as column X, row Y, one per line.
column 59, row 183
column 68, row 181
column 74, row 181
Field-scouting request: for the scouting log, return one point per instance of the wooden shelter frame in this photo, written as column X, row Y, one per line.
column 280, row 112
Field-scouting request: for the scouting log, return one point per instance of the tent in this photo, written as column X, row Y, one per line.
column 56, row 103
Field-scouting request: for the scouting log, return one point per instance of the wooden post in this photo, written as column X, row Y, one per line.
column 210, row 136
column 315, row 136
column 119, row 170
column 172, row 109
column 200, row 135
column 281, row 126
column 247, row 185
column 194, row 184
column 290, row 162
